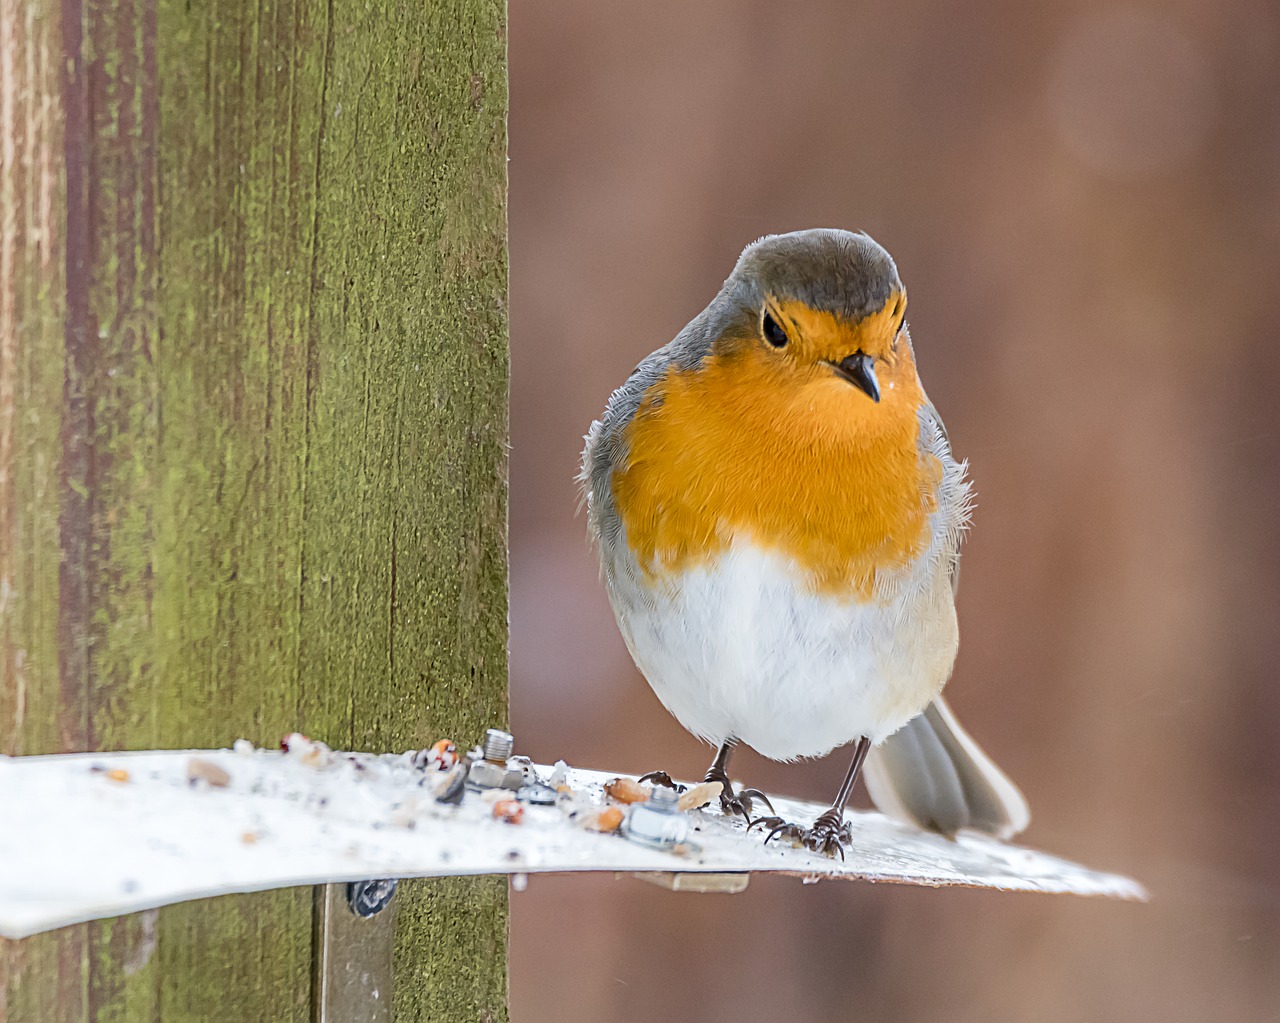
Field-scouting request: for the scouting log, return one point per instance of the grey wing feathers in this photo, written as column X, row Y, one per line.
column 605, row 447
column 931, row 773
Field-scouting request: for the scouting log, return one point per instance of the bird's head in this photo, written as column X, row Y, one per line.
column 821, row 317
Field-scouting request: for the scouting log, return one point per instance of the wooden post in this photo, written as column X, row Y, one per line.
column 253, row 378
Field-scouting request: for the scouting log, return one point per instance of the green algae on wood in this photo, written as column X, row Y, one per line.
column 253, row 405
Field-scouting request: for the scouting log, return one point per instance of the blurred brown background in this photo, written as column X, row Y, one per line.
column 1085, row 205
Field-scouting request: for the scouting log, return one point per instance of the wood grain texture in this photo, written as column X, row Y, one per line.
column 253, row 379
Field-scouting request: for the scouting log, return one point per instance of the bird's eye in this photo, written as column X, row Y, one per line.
column 774, row 334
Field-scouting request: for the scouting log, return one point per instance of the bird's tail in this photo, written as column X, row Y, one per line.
column 931, row 773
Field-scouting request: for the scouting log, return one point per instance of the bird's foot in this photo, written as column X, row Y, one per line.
column 828, row 835
column 663, row 779
column 736, row 804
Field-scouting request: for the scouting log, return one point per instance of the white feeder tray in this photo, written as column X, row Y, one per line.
column 87, row 836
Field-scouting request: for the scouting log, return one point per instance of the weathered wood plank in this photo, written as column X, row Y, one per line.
column 252, row 436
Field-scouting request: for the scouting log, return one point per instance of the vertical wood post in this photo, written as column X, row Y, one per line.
column 253, row 382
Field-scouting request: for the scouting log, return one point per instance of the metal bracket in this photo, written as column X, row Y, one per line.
column 690, row 881
column 354, row 932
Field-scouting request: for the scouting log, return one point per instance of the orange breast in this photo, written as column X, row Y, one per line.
column 791, row 457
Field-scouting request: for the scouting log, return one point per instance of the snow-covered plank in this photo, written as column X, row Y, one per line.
column 85, row 836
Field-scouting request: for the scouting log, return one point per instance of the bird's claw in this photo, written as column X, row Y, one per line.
column 740, row 804
column 663, row 779
column 736, row 804
column 778, row 826
column 829, row 834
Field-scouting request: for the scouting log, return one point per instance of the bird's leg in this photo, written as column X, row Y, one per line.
column 830, row 833
column 733, row 803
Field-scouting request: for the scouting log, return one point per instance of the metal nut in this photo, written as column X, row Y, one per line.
column 657, row 823
column 485, row 774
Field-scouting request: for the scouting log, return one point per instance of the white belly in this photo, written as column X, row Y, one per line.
column 737, row 649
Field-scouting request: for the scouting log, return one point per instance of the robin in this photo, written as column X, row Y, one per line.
column 778, row 516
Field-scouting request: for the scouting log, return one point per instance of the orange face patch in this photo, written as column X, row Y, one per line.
column 816, row 335
column 773, row 446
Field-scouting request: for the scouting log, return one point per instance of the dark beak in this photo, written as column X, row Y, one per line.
column 860, row 371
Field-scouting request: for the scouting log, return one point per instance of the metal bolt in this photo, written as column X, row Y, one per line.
column 369, row 898
column 498, row 746
column 492, row 772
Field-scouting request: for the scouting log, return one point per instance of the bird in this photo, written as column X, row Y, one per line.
column 778, row 517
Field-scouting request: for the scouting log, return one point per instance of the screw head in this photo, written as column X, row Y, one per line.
column 369, row 898
column 537, row 794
